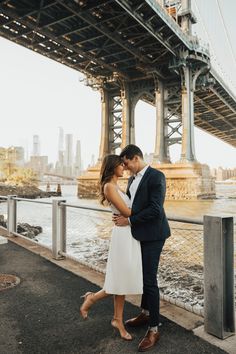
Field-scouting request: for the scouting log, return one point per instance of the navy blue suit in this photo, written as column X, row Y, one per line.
column 149, row 225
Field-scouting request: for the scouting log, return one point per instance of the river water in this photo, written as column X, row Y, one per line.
column 224, row 204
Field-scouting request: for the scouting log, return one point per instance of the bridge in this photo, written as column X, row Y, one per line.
column 62, row 177
column 131, row 50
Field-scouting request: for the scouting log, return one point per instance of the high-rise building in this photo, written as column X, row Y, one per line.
column 36, row 146
column 92, row 163
column 60, row 144
column 78, row 162
column 60, row 161
column 68, row 157
column 39, row 164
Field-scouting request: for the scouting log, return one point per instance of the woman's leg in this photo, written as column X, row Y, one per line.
column 99, row 295
column 117, row 321
column 89, row 299
column 119, row 302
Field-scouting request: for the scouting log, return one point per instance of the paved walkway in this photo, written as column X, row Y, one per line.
column 41, row 315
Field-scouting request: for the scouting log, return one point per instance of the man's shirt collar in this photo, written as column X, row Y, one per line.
column 141, row 173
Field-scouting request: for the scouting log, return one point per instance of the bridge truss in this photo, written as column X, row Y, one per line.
column 130, row 50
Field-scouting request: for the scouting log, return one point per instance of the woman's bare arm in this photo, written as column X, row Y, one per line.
column 113, row 197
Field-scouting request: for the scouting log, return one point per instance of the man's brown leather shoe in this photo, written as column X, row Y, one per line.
column 150, row 339
column 140, row 320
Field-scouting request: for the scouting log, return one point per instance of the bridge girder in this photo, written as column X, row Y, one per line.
column 135, row 40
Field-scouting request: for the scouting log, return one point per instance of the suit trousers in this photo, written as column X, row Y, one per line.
column 151, row 251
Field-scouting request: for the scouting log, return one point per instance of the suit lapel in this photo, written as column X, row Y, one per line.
column 147, row 172
column 130, row 180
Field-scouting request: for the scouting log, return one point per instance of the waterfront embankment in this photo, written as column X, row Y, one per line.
column 28, row 191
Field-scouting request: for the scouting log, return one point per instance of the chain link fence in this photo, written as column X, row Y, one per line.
column 34, row 220
column 181, row 265
column 88, row 234
column 3, row 211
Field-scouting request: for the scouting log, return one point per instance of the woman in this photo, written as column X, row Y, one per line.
column 124, row 265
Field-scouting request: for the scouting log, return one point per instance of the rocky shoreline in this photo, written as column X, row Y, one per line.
column 29, row 192
column 25, row 229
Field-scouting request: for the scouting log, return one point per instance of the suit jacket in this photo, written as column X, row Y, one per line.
column 148, row 219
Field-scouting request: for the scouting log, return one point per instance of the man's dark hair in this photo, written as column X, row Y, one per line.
column 130, row 151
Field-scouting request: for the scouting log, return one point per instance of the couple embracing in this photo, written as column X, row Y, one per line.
column 137, row 239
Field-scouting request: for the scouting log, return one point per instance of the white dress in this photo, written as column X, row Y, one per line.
column 124, row 266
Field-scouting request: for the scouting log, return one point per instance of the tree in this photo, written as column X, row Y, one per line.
column 22, row 177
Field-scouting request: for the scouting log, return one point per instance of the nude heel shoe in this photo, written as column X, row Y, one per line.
column 88, row 302
column 115, row 325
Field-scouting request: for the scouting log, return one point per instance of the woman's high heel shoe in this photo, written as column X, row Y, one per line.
column 88, row 302
column 125, row 335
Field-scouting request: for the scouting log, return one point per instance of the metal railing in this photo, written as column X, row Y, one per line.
column 189, row 41
column 82, row 233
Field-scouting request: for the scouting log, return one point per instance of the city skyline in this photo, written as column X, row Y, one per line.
column 13, row 158
column 68, row 161
column 39, row 95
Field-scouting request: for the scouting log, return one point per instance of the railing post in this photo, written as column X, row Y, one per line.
column 11, row 214
column 58, row 228
column 219, row 276
column 62, row 213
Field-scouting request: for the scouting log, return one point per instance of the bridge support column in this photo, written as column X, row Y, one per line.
column 115, row 131
column 187, row 16
column 161, row 2
column 104, row 142
column 188, row 148
column 161, row 154
column 128, row 136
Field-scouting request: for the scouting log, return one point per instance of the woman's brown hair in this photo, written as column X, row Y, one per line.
column 109, row 163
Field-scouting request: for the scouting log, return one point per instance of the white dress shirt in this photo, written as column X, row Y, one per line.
column 134, row 185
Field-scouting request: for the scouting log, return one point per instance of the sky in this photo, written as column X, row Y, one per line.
column 39, row 95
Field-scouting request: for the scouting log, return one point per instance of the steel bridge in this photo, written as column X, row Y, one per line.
column 65, row 177
column 131, row 50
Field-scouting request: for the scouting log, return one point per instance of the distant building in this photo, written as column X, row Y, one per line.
column 68, row 156
column 78, row 161
column 14, row 154
column 39, row 164
column 92, row 163
column 148, row 158
column 68, row 163
column 61, row 139
column 60, row 162
column 222, row 174
column 36, row 146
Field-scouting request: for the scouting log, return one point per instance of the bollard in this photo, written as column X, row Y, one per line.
column 58, row 228
column 219, row 310
column 11, row 214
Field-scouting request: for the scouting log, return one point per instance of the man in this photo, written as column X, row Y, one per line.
column 149, row 225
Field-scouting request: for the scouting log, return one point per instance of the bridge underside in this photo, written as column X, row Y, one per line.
column 215, row 112
column 112, row 40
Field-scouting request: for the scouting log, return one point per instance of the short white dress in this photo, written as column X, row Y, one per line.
column 124, row 274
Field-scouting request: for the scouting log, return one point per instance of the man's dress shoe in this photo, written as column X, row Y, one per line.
column 150, row 339
column 140, row 320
